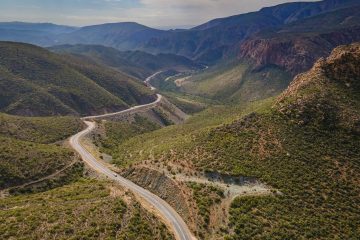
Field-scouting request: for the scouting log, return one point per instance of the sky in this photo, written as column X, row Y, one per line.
column 154, row 13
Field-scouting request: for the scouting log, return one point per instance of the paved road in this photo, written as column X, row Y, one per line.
column 129, row 110
column 178, row 225
column 148, row 79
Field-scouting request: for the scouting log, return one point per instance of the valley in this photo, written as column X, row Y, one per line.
column 243, row 127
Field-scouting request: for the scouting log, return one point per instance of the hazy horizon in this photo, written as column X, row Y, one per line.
column 163, row 14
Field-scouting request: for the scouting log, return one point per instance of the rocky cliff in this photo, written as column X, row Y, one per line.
column 295, row 47
column 328, row 94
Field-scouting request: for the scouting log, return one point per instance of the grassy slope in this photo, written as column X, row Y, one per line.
column 179, row 136
column 105, row 55
column 26, row 154
column 40, row 130
column 117, row 132
column 306, row 146
column 34, row 81
column 236, row 82
column 22, row 162
column 82, row 210
column 135, row 63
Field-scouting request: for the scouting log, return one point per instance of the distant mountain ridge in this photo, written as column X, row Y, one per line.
column 34, row 33
column 207, row 43
column 41, row 27
column 123, row 36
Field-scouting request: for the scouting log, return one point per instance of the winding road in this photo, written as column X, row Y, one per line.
column 179, row 227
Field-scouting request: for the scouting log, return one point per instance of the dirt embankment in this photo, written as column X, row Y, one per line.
column 174, row 193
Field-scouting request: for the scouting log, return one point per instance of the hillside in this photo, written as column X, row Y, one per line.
column 135, row 63
column 235, row 82
column 36, row 82
column 279, row 146
column 28, row 152
column 39, row 129
column 87, row 209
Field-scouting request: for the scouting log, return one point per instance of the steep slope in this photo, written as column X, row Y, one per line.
column 306, row 146
column 296, row 46
column 36, row 82
column 235, row 81
column 137, row 63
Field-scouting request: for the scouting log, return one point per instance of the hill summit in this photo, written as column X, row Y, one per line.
column 329, row 93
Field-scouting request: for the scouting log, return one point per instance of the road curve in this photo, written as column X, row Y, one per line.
column 178, row 225
column 158, row 99
column 148, row 79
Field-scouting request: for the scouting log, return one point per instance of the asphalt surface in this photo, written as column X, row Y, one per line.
column 148, row 79
column 180, row 229
column 129, row 110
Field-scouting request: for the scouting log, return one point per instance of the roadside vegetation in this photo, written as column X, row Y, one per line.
column 205, row 197
column 118, row 132
column 28, row 152
column 86, row 209
column 39, row 130
column 178, row 137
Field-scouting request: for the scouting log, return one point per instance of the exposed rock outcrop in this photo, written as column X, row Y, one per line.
column 328, row 94
column 294, row 54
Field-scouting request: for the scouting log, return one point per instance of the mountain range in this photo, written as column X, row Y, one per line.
column 265, row 49
column 207, row 43
column 255, row 134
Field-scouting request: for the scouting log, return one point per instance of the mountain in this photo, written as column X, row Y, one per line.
column 36, row 82
column 211, row 41
column 135, row 63
column 266, row 62
column 34, row 33
column 208, row 43
column 37, row 27
column 123, row 36
column 296, row 46
column 302, row 144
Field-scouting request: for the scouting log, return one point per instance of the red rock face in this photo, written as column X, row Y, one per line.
column 294, row 54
